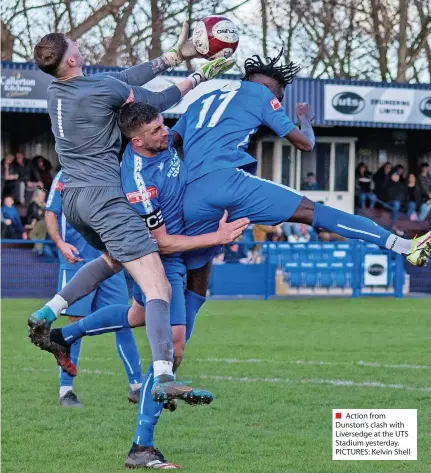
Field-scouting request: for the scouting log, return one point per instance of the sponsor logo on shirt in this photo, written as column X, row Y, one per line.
column 59, row 186
column 137, row 196
column 275, row 104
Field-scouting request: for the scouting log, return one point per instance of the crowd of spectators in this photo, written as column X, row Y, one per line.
column 24, row 183
column 391, row 188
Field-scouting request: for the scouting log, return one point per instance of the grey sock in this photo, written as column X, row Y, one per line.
column 159, row 331
column 86, row 280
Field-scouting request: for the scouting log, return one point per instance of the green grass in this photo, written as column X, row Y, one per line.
column 252, row 425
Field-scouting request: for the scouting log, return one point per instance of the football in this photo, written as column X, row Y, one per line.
column 215, row 36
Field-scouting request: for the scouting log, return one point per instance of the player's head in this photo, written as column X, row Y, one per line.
column 143, row 125
column 269, row 74
column 58, row 55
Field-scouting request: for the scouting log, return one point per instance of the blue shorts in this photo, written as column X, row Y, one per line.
column 243, row 195
column 111, row 291
column 178, row 301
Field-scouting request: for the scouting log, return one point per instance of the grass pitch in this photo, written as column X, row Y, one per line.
column 276, row 368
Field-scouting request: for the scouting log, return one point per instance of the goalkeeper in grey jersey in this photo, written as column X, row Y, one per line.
column 83, row 112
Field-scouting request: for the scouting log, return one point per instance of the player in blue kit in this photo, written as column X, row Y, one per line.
column 154, row 179
column 74, row 252
column 216, row 131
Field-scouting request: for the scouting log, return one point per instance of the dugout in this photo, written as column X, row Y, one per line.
column 355, row 121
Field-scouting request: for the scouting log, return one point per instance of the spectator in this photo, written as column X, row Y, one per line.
column 10, row 216
column 381, row 178
column 310, row 183
column 394, row 194
column 399, row 168
column 28, row 177
column 10, row 183
column 297, row 232
column 44, row 169
column 425, row 178
column 418, row 201
column 233, row 253
column 364, row 186
column 36, row 209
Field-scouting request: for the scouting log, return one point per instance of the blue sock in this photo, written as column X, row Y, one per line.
column 128, row 351
column 348, row 225
column 194, row 302
column 65, row 379
column 108, row 319
column 148, row 413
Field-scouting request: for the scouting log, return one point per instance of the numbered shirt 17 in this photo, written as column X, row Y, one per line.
column 217, row 128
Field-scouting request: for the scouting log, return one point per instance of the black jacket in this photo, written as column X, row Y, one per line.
column 416, row 194
column 394, row 191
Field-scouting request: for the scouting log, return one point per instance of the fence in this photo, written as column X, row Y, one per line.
column 30, row 268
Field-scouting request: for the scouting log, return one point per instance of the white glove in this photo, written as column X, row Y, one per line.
column 211, row 70
column 183, row 50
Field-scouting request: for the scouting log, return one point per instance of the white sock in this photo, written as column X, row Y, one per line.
column 162, row 367
column 64, row 390
column 398, row 244
column 135, row 386
column 57, row 304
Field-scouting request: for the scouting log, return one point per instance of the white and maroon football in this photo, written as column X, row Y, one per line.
column 215, row 36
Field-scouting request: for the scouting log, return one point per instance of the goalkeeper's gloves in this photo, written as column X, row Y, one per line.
column 211, row 70
column 183, row 50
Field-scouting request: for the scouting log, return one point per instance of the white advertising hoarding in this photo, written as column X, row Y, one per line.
column 377, row 104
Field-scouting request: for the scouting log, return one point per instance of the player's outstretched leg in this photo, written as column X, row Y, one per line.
column 416, row 251
column 150, row 276
column 84, row 282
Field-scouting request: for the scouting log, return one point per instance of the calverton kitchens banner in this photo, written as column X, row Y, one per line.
column 377, row 104
column 24, row 88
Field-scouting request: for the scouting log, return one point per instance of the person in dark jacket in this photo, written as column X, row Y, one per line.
column 394, row 194
column 381, row 178
column 44, row 170
column 13, row 220
column 364, row 186
column 9, row 178
column 417, row 200
column 399, row 168
column 27, row 176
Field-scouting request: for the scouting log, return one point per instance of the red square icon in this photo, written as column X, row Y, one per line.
column 338, row 415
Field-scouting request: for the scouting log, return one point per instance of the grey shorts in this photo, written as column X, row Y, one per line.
column 105, row 219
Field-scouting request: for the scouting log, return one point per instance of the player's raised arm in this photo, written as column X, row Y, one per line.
column 304, row 138
column 143, row 73
column 165, row 99
column 226, row 233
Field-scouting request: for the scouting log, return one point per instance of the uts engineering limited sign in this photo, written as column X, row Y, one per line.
column 377, row 104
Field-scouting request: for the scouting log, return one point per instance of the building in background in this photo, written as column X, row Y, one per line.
column 356, row 121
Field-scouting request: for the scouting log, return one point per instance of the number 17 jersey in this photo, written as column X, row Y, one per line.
column 216, row 128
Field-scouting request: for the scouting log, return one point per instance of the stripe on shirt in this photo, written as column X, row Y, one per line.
column 140, row 184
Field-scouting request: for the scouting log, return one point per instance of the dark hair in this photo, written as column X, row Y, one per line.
column 423, row 165
column 49, row 52
column 135, row 114
column 311, row 174
column 283, row 74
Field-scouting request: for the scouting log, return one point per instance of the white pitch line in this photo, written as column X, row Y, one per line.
column 333, row 382
column 313, row 362
column 370, row 364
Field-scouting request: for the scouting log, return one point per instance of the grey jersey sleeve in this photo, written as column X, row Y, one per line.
column 121, row 92
column 140, row 74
